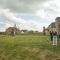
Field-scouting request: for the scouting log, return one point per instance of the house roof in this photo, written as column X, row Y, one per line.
column 12, row 28
column 58, row 18
column 52, row 25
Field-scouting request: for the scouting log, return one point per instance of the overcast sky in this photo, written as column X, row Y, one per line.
column 28, row 14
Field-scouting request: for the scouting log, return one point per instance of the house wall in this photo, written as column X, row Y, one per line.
column 58, row 25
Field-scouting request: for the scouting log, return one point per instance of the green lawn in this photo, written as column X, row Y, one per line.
column 28, row 47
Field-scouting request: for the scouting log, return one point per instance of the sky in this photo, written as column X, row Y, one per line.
column 28, row 14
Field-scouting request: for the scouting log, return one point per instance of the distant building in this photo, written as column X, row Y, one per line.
column 10, row 29
column 31, row 31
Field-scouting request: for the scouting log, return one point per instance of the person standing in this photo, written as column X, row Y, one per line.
column 54, row 38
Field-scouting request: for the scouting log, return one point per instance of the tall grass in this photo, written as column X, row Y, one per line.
column 28, row 47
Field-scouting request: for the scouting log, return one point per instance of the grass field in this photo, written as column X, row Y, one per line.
column 28, row 47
